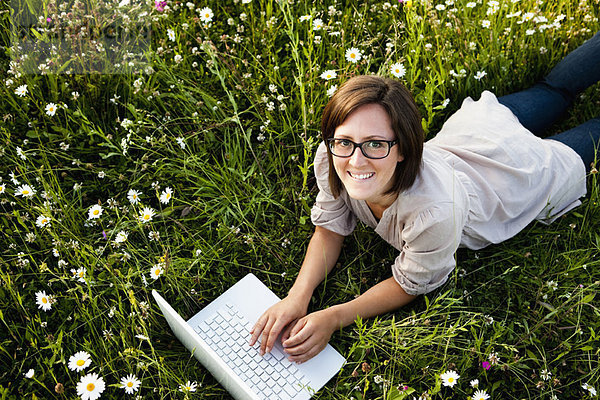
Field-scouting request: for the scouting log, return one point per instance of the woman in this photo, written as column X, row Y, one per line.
column 481, row 180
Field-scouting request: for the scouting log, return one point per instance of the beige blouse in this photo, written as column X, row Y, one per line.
column 484, row 177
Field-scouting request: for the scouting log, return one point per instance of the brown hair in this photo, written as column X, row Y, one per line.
column 404, row 115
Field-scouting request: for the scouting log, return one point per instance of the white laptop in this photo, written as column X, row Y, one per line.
column 218, row 337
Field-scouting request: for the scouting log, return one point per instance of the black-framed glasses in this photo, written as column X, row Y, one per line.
column 374, row 149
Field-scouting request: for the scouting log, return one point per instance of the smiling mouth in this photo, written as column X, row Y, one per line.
column 361, row 177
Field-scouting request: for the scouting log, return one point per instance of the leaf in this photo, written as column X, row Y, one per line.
column 588, row 298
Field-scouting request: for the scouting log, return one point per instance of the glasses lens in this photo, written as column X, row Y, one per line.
column 341, row 147
column 376, row 149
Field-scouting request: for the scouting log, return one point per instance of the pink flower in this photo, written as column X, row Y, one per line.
column 486, row 365
column 160, row 5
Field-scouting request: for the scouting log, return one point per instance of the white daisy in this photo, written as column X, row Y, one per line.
column 353, row 55
column 398, row 70
column 95, row 211
column 329, row 74
column 156, row 271
column 146, row 214
column 305, row 18
column 130, row 384
column 79, row 274
column 51, row 109
column 206, row 15
column 331, row 90
column 42, row 221
column 133, row 196
column 590, row 389
column 80, row 361
column 171, row 34
column 21, row 91
column 2, row 188
column 480, row 395
column 317, row 24
column 449, row 378
column 166, row 195
column 90, row 387
column 188, row 387
column 121, row 237
column 44, row 301
column 29, row 374
column 480, row 74
column 25, row 191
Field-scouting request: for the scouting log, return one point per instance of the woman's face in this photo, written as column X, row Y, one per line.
column 364, row 178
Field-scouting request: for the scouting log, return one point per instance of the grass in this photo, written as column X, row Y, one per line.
column 226, row 114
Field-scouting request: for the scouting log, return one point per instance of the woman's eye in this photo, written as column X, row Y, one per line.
column 344, row 143
column 375, row 144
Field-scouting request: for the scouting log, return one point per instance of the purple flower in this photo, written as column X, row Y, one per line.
column 486, row 365
column 160, row 5
column 104, row 234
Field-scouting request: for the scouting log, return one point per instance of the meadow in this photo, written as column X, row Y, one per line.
column 178, row 157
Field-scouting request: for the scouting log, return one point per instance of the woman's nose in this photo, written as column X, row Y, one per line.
column 358, row 157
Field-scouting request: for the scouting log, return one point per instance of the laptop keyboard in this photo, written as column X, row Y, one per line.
column 270, row 376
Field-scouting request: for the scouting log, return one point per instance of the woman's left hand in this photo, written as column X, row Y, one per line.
column 309, row 335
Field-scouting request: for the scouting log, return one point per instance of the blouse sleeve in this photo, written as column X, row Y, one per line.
column 430, row 242
column 329, row 212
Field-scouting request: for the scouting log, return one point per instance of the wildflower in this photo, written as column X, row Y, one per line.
column 95, row 211
column 79, row 274
column 590, row 389
column 156, row 271
column 398, row 70
column 166, row 195
column 154, row 236
column 79, row 361
column 2, row 188
column 180, row 142
column 485, row 23
column 331, row 90
column 160, row 5
column 317, row 24
column 480, row 395
column 329, row 74
column 171, row 34
column 545, row 374
column 29, row 374
column 552, row 285
column 449, row 378
column 378, row 379
column 121, row 237
column 130, row 384
column 42, row 221
column 471, row 4
column 494, row 359
column 21, row 91
column 25, row 191
column 146, row 214
column 44, row 301
column 486, row 365
column 480, row 74
column 50, row 109
column 90, row 387
column 474, row 383
column 206, row 15
column 188, row 387
column 305, row 18
column 133, row 196
column 353, row 55
column 101, row 174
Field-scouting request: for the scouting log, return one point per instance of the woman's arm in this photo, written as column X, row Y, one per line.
column 311, row 333
column 321, row 255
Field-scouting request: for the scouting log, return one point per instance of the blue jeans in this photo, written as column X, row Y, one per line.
column 538, row 107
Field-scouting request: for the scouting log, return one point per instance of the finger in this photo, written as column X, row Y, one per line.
column 257, row 329
column 286, row 333
column 307, row 355
column 265, row 335
column 298, row 334
column 273, row 334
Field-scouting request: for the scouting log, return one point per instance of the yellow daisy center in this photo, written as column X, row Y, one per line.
column 147, row 216
column 80, row 364
column 450, row 379
column 81, row 274
column 157, row 272
column 44, row 300
column 168, row 196
column 352, row 55
column 129, row 384
column 90, row 387
column 96, row 212
column 25, row 191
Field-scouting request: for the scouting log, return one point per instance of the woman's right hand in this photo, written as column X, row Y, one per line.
column 280, row 317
